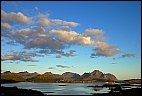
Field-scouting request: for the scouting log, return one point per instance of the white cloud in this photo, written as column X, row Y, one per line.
column 44, row 22
column 64, row 23
column 57, row 21
column 6, row 26
column 81, row 40
column 71, row 24
column 104, row 49
column 90, row 32
column 66, row 36
column 14, row 17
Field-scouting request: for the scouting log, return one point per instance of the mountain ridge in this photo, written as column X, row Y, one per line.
column 93, row 76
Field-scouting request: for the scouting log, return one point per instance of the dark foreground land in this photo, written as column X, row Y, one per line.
column 14, row 91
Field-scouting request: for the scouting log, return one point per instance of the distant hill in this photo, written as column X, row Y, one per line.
column 133, row 81
column 94, row 76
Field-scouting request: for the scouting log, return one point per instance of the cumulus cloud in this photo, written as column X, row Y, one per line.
column 128, row 55
column 14, row 17
column 62, row 66
column 65, row 35
column 43, row 20
column 52, row 36
column 81, row 40
column 71, row 37
column 104, row 49
column 6, row 26
column 36, row 38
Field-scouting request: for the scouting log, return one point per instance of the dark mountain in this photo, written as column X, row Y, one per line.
column 98, row 76
column 27, row 75
column 70, row 75
column 85, row 75
column 94, row 76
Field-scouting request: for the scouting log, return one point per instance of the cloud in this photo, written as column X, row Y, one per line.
column 71, row 37
column 20, row 56
column 81, row 40
column 65, row 35
column 113, row 63
column 14, row 17
column 51, row 68
column 52, row 36
column 104, row 49
column 71, row 24
column 128, row 55
column 5, row 26
column 58, row 56
column 113, row 59
column 61, row 66
column 64, row 23
column 36, row 38
column 67, row 54
column 90, row 32
column 31, row 65
column 43, row 20
column 57, row 21
column 65, row 28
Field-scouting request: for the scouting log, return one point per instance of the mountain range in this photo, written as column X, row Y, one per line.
column 94, row 76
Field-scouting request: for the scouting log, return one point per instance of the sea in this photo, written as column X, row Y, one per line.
column 61, row 88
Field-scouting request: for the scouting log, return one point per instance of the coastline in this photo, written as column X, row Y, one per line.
column 115, row 90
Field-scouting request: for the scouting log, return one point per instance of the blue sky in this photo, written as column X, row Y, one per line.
column 85, row 36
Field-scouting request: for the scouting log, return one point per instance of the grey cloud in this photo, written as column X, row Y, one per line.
column 113, row 63
column 64, row 23
column 128, row 55
column 67, row 54
column 51, row 68
column 20, row 56
column 62, row 66
column 31, row 65
column 58, row 56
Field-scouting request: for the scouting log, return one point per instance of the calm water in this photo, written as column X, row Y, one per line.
column 56, row 89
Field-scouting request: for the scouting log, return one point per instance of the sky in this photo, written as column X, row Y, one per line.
column 72, row 36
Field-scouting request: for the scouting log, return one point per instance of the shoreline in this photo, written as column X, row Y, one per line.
column 115, row 90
